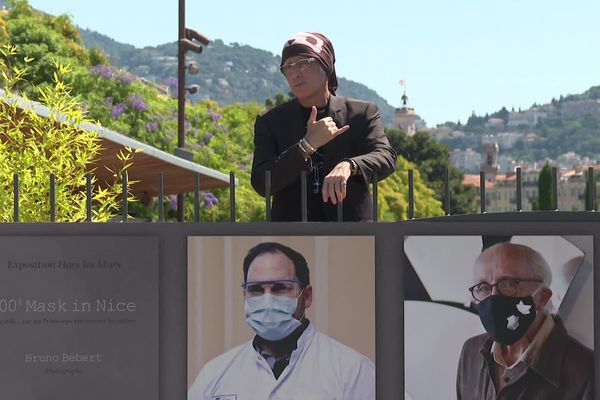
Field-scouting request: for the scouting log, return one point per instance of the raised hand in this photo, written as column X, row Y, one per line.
column 321, row 132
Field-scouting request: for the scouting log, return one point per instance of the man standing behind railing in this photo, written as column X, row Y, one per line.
column 339, row 141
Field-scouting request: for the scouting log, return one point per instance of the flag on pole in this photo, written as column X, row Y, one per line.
column 402, row 82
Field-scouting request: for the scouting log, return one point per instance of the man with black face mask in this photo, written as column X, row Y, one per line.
column 288, row 358
column 526, row 353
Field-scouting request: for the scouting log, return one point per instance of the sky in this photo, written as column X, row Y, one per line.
column 456, row 56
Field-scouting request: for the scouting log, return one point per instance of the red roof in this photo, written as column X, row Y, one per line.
column 473, row 180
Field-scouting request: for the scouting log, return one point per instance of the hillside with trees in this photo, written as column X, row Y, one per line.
column 567, row 124
column 229, row 73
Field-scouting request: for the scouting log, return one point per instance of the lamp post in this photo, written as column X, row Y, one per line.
column 188, row 39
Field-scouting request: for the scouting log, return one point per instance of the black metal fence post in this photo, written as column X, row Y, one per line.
column 197, row 197
column 125, row 184
column 591, row 195
column 374, row 181
column 88, row 197
column 231, row 196
column 303, row 199
column 411, row 194
column 52, row 198
column 519, row 190
column 482, row 191
column 447, row 191
column 16, row 197
column 161, row 197
column 555, row 188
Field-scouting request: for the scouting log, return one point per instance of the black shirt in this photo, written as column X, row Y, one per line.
column 317, row 173
column 286, row 345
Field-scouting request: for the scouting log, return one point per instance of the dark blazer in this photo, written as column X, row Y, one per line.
column 276, row 136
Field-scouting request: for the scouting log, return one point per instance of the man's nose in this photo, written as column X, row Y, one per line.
column 296, row 73
column 495, row 290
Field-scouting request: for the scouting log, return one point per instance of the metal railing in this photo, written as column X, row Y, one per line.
column 446, row 200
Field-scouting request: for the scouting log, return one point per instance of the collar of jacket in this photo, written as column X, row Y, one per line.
column 548, row 363
column 336, row 105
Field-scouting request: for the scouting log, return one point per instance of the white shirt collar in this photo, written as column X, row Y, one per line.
column 532, row 349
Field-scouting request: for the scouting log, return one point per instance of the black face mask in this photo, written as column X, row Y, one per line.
column 506, row 319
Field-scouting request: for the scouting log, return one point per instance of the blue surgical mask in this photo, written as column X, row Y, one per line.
column 271, row 317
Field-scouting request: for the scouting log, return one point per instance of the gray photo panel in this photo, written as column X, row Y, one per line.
column 79, row 317
column 340, row 276
column 439, row 310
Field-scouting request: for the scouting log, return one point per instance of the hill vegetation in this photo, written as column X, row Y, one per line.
column 569, row 124
column 229, row 73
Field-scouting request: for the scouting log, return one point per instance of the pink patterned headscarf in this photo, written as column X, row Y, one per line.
column 313, row 44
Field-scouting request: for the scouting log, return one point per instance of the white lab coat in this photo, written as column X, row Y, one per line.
column 320, row 369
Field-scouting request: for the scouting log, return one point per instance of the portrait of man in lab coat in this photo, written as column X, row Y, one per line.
column 289, row 308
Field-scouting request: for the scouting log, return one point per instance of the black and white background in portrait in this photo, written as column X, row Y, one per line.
column 438, row 314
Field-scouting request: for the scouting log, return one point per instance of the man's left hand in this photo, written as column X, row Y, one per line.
column 334, row 184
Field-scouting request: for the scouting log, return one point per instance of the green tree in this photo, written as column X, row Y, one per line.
column 45, row 39
column 475, row 123
column 545, row 197
column 393, row 201
column 36, row 146
column 280, row 98
column 503, row 114
column 432, row 160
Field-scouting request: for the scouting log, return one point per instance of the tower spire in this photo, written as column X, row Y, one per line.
column 405, row 116
column 404, row 96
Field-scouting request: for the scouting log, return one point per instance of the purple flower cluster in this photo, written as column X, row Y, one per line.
column 210, row 200
column 214, row 116
column 171, row 81
column 151, row 126
column 206, row 138
column 136, row 101
column 104, row 71
column 173, row 202
column 117, row 110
